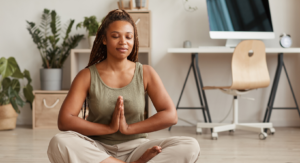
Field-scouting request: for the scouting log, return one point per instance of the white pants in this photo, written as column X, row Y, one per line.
column 73, row 147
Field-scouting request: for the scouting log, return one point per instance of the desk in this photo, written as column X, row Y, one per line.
column 201, row 93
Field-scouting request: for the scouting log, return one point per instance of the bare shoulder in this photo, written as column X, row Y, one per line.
column 149, row 75
column 83, row 75
column 147, row 71
column 82, row 81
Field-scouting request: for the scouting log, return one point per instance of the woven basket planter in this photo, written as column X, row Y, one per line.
column 8, row 117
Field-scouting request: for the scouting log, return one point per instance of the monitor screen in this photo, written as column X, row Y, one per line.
column 239, row 15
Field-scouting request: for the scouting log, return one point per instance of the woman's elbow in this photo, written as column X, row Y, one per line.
column 61, row 124
column 174, row 118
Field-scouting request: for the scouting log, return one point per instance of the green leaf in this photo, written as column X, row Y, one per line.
column 6, row 83
column 28, row 89
column 27, row 76
column 15, row 85
column 15, row 99
column 79, row 25
column 9, row 67
column 46, row 11
column 15, row 106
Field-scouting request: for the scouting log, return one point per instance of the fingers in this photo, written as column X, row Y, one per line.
column 155, row 149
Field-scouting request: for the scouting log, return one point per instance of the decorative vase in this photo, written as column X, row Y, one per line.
column 8, row 117
column 140, row 3
column 51, row 78
column 91, row 41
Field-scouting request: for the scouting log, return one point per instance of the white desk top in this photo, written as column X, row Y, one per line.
column 222, row 49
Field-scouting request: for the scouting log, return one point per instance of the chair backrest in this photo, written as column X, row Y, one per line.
column 249, row 70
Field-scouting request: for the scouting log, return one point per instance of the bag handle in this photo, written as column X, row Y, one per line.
column 44, row 100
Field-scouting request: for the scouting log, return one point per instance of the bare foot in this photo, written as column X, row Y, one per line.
column 149, row 154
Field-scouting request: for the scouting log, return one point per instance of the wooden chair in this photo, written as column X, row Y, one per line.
column 249, row 71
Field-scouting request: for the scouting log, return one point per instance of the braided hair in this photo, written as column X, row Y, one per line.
column 99, row 50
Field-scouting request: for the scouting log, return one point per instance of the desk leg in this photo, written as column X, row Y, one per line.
column 194, row 66
column 274, row 89
column 196, row 71
column 203, row 92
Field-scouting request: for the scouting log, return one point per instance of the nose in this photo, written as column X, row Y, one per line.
column 122, row 40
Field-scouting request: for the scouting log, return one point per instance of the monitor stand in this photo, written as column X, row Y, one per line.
column 232, row 43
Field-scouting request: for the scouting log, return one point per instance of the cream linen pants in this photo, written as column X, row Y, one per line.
column 73, row 147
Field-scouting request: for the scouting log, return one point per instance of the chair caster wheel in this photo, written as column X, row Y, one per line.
column 198, row 131
column 272, row 131
column 262, row 136
column 214, row 136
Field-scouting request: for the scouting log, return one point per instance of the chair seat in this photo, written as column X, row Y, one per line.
column 216, row 87
column 228, row 90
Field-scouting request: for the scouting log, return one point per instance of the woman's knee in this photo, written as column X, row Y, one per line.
column 60, row 141
column 191, row 142
column 190, row 148
column 57, row 140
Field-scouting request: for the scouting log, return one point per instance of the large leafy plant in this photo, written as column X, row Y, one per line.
column 10, row 86
column 91, row 24
column 53, row 55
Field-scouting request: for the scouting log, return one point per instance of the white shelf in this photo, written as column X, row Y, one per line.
column 221, row 49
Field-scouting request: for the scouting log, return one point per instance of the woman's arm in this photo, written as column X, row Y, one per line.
column 166, row 112
column 68, row 116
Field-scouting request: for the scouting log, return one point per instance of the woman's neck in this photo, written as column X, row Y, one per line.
column 116, row 65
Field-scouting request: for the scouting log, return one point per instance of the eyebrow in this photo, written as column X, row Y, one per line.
column 119, row 32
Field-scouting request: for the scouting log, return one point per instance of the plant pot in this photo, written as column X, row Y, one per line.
column 8, row 117
column 51, row 78
column 91, row 41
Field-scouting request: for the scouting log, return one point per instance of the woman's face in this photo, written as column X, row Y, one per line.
column 119, row 39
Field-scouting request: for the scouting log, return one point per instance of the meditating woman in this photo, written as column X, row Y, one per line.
column 115, row 84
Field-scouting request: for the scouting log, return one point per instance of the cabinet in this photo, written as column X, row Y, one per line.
column 45, row 108
column 142, row 20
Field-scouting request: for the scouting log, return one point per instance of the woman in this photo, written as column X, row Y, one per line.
column 115, row 84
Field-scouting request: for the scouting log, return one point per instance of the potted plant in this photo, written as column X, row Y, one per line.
column 9, row 92
column 53, row 55
column 91, row 24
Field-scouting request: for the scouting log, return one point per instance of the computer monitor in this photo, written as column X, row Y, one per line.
column 237, row 20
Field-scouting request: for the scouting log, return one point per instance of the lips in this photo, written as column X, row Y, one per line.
column 122, row 49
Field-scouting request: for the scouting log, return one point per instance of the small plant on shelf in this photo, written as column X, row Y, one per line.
column 91, row 24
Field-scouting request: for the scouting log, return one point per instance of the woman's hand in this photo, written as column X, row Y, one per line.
column 124, row 127
column 115, row 121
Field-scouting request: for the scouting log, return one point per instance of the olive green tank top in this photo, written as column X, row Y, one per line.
column 102, row 101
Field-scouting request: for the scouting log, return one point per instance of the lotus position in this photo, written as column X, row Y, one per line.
column 114, row 84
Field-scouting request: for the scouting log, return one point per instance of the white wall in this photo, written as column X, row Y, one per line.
column 171, row 25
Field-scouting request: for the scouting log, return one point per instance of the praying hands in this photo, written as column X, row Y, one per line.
column 118, row 121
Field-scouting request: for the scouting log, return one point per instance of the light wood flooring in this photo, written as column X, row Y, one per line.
column 24, row 145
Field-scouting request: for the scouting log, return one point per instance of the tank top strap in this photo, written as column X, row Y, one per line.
column 139, row 75
column 93, row 71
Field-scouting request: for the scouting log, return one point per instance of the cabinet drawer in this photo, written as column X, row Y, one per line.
column 46, row 109
column 143, row 28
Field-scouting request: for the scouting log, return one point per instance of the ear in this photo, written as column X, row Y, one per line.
column 104, row 40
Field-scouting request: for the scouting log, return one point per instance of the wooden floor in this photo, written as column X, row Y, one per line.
column 26, row 145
